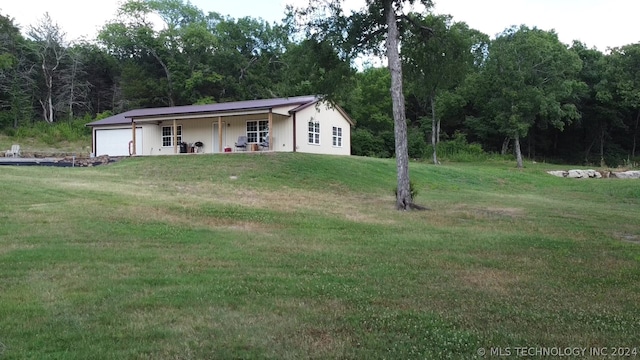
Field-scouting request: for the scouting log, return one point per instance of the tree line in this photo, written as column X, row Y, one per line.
column 523, row 91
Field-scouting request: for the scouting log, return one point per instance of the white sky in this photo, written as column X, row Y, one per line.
column 598, row 23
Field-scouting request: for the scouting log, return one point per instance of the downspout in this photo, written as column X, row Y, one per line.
column 294, row 132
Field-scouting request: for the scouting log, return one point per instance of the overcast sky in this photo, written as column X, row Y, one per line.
column 598, row 23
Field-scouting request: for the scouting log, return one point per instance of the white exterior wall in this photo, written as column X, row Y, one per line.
column 328, row 118
column 206, row 130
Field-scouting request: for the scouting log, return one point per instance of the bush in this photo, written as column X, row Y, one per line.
column 412, row 190
column 459, row 150
column 417, row 146
column 54, row 133
column 364, row 143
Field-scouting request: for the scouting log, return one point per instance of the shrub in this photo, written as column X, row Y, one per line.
column 459, row 150
column 412, row 190
column 54, row 133
column 417, row 146
column 364, row 143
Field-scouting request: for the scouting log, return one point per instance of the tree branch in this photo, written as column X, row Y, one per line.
column 425, row 30
column 370, row 36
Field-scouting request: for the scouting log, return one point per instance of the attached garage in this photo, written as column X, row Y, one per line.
column 116, row 142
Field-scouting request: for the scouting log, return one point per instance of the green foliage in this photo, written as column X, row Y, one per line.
column 416, row 143
column 575, row 105
column 413, row 190
column 364, row 143
column 459, row 150
column 52, row 134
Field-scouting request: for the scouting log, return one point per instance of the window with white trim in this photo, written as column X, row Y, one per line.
column 314, row 133
column 167, row 135
column 257, row 130
column 337, row 136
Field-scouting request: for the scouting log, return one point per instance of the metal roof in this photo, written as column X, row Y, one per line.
column 126, row 117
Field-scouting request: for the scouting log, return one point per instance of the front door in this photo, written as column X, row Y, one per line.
column 216, row 137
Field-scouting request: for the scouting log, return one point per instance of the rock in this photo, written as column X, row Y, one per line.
column 626, row 175
column 558, row 173
column 593, row 174
column 576, row 174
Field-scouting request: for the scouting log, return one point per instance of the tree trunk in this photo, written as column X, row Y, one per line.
column 48, row 103
column 434, row 131
column 587, row 151
column 516, row 148
column 602, row 133
column 403, row 197
column 505, row 146
column 438, row 132
column 167, row 74
column 635, row 136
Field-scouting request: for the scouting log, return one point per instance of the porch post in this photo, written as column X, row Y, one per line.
column 294, row 132
column 175, row 137
column 270, row 129
column 219, row 134
column 133, row 142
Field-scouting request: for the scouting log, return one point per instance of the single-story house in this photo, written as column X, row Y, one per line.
column 303, row 124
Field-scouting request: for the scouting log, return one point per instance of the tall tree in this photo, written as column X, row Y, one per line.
column 16, row 75
column 440, row 64
column 621, row 83
column 373, row 29
column 73, row 93
column 530, row 78
column 50, row 46
column 134, row 36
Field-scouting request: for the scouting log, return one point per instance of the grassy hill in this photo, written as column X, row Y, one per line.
column 292, row 256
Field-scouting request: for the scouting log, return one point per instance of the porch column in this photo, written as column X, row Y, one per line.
column 270, row 129
column 294, row 132
column 175, row 136
column 133, row 138
column 219, row 134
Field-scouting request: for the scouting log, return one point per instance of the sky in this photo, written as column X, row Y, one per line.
column 597, row 23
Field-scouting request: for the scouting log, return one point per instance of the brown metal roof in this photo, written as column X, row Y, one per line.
column 266, row 104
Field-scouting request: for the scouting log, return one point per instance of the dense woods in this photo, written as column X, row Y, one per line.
column 523, row 93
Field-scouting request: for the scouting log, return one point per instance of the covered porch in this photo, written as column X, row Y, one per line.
column 208, row 133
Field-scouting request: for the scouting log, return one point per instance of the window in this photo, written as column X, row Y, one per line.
column 314, row 133
column 167, row 135
column 257, row 130
column 337, row 136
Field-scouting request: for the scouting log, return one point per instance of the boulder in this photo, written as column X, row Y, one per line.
column 578, row 174
column 558, row 173
column 626, row 175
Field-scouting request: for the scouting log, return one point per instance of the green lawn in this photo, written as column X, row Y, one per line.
column 293, row 256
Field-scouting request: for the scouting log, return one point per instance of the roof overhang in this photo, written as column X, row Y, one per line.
column 204, row 115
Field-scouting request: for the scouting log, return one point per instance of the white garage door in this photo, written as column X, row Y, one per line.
column 115, row 142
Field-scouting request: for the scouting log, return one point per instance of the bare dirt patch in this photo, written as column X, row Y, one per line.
column 631, row 238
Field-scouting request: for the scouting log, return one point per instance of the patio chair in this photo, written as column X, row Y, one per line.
column 264, row 144
column 14, row 152
column 241, row 143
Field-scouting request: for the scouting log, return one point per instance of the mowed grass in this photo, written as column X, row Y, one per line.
column 290, row 256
